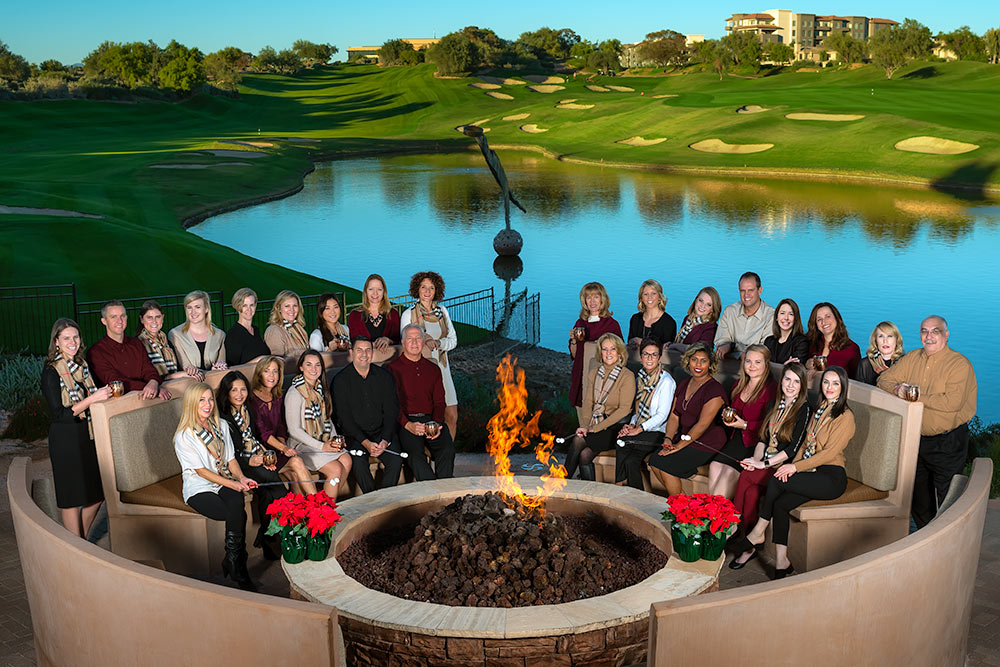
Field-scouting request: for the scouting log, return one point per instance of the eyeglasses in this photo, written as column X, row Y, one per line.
column 935, row 331
column 649, row 355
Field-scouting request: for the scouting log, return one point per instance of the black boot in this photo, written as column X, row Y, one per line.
column 234, row 564
column 587, row 472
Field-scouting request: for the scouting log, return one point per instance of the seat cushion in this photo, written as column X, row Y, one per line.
column 142, row 445
column 162, row 494
column 856, row 493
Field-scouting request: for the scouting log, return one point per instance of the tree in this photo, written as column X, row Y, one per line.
column 129, row 64
column 266, row 59
column 849, row 49
column 580, row 52
column 288, row 61
column 223, row 67
column 454, row 54
column 392, row 52
column 966, row 44
column 742, row 48
column 12, row 66
column 915, row 37
column 663, row 47
column 311, row 54
column 52, row 66
column 549, row 44
column 411, row 57
column 888, row 50
column 604, row 61
column 779, row 52
column 487, row 43
column 992, row 41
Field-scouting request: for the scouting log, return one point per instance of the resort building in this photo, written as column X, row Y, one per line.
column 629, row 56
column 369, row 54
column 805, row 32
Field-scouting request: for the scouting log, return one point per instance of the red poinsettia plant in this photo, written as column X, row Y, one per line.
column 308, row 516
column 695, row 513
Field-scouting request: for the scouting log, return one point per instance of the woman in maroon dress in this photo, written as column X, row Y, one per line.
column 269, row 415
column 751, row 400
column 595, row 320
column 701, row 321
column 376, row 319
column 828, row 338
column 694, row 435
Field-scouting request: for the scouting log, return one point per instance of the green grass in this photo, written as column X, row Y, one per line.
column 94, row 157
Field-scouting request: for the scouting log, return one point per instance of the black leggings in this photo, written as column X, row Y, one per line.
column 226, row 505
column 826, row 483
column 583, row 450
column 629, row 457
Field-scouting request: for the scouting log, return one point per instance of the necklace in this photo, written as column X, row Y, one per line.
column 691, row 394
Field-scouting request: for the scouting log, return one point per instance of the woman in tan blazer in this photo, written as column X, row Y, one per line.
column 199, row 345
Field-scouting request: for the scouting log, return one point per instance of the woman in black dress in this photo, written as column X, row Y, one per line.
column 787, row 342
column 69, row 390
column 243, row 340
column 885, row 347
column 651, row 321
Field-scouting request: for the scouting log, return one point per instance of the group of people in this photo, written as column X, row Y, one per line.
column 258, row 433
column 766, row 446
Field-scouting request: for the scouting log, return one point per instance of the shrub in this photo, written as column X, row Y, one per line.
column 29, row 422
column 47, row 88
column 20, row 379
column 984, row 441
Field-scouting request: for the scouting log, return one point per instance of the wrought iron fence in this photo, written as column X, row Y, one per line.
column 517, row 320
column 27, row 314
column 472, row 313
column 171, row 305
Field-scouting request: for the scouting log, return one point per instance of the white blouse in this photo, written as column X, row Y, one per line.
column 192, row 454
column 449, row 342
column 659, row 407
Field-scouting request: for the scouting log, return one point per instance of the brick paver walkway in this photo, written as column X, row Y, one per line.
column 17, row 648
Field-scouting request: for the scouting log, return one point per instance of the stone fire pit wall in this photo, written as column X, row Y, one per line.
column 380, row 629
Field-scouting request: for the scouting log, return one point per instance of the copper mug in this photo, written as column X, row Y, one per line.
column 819, row 363
column 338, row 442
column 432, row 429
column 343, row 343
column 728, row 415
column 579, row 334
column 911, row 392
column 270, row 457
column 117, row 388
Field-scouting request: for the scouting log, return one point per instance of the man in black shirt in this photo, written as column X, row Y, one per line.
column 365, row 398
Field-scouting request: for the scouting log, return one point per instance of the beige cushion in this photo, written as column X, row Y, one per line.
column 162, row 494
column 873, row 453
column 856, row 493
column 142, row 444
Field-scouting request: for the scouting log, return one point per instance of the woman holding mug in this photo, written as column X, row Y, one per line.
column 595, row 321
column 654, row 397
column 199, row 345
column 286, row 331
column 787, row 341
column 158, row 348
column 329, row 335
column 885, row 347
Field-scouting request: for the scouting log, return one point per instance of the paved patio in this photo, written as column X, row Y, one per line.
column 17, row 648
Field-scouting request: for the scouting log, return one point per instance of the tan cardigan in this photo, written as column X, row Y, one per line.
column 187, row 349
column 831, row 440
column 280, row 343
column 619, row 403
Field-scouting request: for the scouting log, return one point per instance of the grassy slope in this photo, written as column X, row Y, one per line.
column 94, row 156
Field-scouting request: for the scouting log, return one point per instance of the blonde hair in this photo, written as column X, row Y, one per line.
column 240, row 295
column 257, row 381
column 889, row 328
column 58, row 327
column 197, row 295
column 744, row 380
column 189, row 408
column 659, row 290
column 716, row 303
column 383, row 307
column 283, row 296
column 619, row 347
column 605, row 301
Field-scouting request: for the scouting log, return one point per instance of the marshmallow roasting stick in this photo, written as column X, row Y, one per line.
column 361, row 452
column 622, row 441
column 255, row 485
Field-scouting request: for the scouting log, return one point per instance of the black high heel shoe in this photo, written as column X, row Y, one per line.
column 782, row 572
column 743, row 546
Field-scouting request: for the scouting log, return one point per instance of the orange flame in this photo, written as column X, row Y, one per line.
column 511, row 427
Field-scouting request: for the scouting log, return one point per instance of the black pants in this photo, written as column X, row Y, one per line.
column 826, row 483
column 583, row 450
column 442, row 450
column 265, row 495
column 391, row 463
column 629, row 457
column 226, row 505
column 941, row 457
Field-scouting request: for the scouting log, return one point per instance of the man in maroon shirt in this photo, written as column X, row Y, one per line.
column 118, row 357
column 421, row 400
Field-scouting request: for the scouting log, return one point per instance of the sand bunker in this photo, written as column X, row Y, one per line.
column 935, row 146
column 622, row 89
column 461, row 128
column 639, row 141
column 499, row 96
column 569, row 101
column 255, row 144
column 200, row 166
column 533, row 129
column 719, row 146
column 485, row 86
column 831, row 117
column 250, row 155
column 536, row 78
column 517, row 116
column 502, row 82
column 545, row 89
column 750, row 108
column 597, row 89
column 574, row 106
column 56, row 212
column 660, row 97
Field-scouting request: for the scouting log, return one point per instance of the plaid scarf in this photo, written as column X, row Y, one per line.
column 686, row 327
column 434, row 315
column 76, row 384
column 296, row 333
column 317, row 423
column 821, row 417
column 602, row 388
column 251, row 445
column 772, row 428
column 159, row 352
column 211, row 437
column 878, row 363
column 646, row 387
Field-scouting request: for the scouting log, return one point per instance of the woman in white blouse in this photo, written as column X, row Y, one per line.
column 308, row 409
column 212, row 482
column 329, row 330
column 427, row 287
column 643, row 435
column 199, row 345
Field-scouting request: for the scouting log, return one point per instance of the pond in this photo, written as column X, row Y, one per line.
column 876, row 252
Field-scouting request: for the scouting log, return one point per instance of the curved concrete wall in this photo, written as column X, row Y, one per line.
column 90, row 607
column 908, row 603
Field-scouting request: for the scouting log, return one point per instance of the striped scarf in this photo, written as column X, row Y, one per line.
column 317, row 423
column 76, row 384
column 434, row 315
column 646, row 387
column 772, row 428
column 297, row 333
column 251, row 445
column 159, row 352
column 878, row 363
column 211, row 437
column 821, row 417
column 602, row 388
column 686, row 327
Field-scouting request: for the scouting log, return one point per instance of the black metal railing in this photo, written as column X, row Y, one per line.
column 27, row 314
column 88, row 313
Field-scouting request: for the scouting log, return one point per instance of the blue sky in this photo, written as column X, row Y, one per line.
column 67, row 31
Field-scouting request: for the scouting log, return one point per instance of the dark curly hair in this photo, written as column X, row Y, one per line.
column 432, row 276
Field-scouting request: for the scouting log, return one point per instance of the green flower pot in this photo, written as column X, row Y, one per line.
column 687, row 547
column 319, row 547
column 712, row 546
column 293, row 548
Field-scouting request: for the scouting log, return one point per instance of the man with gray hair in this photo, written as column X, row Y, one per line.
column 946, row 385
column 420, row 390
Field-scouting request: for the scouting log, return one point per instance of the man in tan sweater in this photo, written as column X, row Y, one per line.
column 948, row 391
